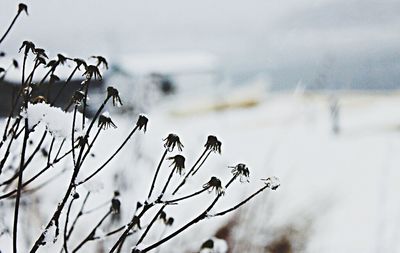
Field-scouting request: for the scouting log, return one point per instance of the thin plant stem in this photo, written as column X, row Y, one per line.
column 201, row 164
column 150, row 224
column 17, row 201
column 188, row 174
column 173, row 201
column 90, row 236
column 9, row 28
column 63, row 87
column 156, row 174
column 109, row 159
column 80, row 213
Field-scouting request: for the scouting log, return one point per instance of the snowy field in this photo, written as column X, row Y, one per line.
column 338, row 192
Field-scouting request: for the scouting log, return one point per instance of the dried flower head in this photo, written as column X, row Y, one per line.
column 114, row 94
column 101, row 61
column 241, row 171
column 15, row 63
column 29, row 46
column 179, row 163
column 115, row 206
column 79, row 62
column 213, row 144
column 272, row 182
column 105, row 121
column 163, row 216
column 40, row 60
column 142, row 122
column 214, row 184
column 209, row 244
column 171, row 141
column 91, row 71
column 170, row 221
column 54, row 78
column 23, row 7
column 78, row 97
column 40, row 52
column 136, row 223
column 81, row 141
column 39, row 99
column 75, row 195
column 62, row 59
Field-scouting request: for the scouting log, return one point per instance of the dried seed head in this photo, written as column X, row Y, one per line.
column 241, row 171
column 178, row 162
column 40, row 52
column 23, row 7
column 52, row 64
column 209, row 244
column 78, row 97
column 114, row 94
column 171, row 141
column 62, row 59
column 29, row 46
column 163, row 216
column 81, row 141
column 105, row 121
column 79, row 62
column 272, row 182
column 115, row 206
column 39, row 99
column 54, row 78
column 213, row 144
column 142, row 122
column 214, row 184
column 75, row 195
column 40, row 60
column 136, row 222
column 101, row 61
column 15, row 63
column 170, row 221
column 92, row 71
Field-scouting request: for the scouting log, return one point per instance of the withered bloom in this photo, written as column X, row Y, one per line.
column 214, row 184
column 272, row 182
column 39, row 99
column 78, row 97
column 136, row 222
column 170, row 221
column 115, row 206
column 241, row 171
column 29, row 46
column 79, row 62
column 142, row 123
column 163, row 216
column 52, row 64
column 54, row 78
column 23, row 7
column 114, row 94
column 40, row 60
column 62, row 59
column 81, row 141
column 15, row 63
column 171, row 141
column 213, row 144
column 105, row 121
column 76, row 195
column 40, row 52
column 178, row 162
column 101, row 61
column 91, row 71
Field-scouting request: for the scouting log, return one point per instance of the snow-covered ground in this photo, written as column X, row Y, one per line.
column 340, row 191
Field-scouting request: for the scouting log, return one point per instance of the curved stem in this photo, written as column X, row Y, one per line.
column 9, row 28
column 156, row 174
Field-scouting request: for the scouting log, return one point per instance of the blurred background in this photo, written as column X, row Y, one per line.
column 303, row 90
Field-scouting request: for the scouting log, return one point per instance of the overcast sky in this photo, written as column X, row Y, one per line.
column 318, row 42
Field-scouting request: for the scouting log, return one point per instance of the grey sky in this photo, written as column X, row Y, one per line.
column 319, row 42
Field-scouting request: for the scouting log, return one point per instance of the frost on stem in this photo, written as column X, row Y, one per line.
column 214, row 184
column 241, row 171
column 171, row 141
column 272, row 182
column 178, row 163
column 213, row 144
